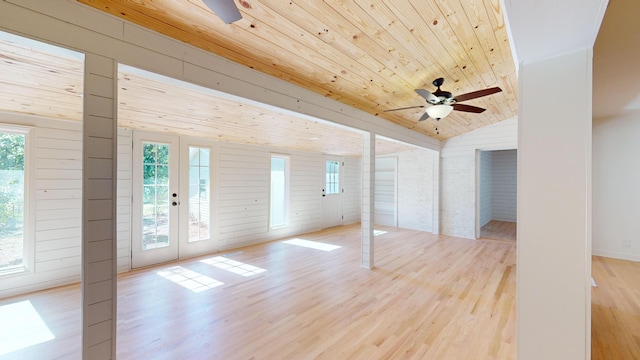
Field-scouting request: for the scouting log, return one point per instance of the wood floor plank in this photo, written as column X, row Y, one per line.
column 615, row 309
column 429, row 297
column 499, row 230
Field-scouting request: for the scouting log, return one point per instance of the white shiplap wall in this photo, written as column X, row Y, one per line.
column 504, row 187
column 458, row 174
column 55, row 205
column 351, row 205
column 386, row 191
column 243, row 174
column 243, row 193
column 486, row 186
column 415, row 189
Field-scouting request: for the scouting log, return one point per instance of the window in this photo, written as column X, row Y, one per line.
column 199, row 190
column 279, row 191
column 332, row 172
column 13, row 175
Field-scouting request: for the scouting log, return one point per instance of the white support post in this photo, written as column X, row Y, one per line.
column 368, row 187
column 99, row 245
column 554, row 210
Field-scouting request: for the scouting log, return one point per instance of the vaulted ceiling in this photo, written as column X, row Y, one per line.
column 371, row 55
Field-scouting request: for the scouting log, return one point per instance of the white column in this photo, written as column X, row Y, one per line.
column 368, row 187
column 554, row 208
column 99, row 209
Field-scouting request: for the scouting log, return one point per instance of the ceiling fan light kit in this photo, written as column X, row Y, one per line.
column 439, row 111
column 441, row 103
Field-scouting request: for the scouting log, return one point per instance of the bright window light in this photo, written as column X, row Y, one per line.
column 22, row 327
column 189, row 279
column 233, row 266
column 378, row 232
column 312, row 244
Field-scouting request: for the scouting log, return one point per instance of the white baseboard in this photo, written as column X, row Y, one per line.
column 616, row 254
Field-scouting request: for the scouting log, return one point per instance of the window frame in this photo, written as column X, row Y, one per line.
column 28, row 236
column 287, row 186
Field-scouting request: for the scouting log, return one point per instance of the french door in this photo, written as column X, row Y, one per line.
column 332, row 191
column 171, row 189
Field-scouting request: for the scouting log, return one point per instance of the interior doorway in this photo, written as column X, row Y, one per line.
column 496, row 214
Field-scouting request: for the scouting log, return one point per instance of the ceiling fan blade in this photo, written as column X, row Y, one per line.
column 226, row 10
column 468, row 108
column 405, row 108
column 424, row 117
column 477, row 94
column 431, row 99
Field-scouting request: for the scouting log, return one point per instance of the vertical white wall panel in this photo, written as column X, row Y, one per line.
column 99, row 212
column 616, row 194
column 123, row 216
column 458, row 174
column 486, row 187
column 504, row 185
column 554, row 210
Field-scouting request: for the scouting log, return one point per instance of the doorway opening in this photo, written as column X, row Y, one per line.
column 496, row 215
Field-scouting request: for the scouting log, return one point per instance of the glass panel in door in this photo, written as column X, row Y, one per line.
column 155, row 198
column 199, row 194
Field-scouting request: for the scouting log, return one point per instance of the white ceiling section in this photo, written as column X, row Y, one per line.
column 541, row 29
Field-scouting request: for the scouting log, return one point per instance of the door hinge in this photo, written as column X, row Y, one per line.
column 342, row 217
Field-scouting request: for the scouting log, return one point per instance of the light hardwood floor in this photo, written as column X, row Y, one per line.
column 499, row 230
column 615, row 309
column 429, row 297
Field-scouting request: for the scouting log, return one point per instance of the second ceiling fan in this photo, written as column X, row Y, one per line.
column 441, row 103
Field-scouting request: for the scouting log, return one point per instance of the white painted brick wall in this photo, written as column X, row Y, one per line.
column 415, row 189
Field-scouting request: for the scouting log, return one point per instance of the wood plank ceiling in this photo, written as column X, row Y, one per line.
column 46, row 81
column 368, row 54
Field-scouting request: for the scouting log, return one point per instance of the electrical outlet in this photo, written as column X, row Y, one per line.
column 626, row 243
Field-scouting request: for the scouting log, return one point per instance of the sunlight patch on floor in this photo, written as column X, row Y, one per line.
column 21, row 327
column 378, row 232
column 312, row 244
column 189, row 279
column 233, row 266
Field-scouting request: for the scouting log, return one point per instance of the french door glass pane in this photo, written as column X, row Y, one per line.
column 155, row 196
column 11, row 201
column 199, row 193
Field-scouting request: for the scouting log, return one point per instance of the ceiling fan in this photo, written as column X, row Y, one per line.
column 441, row 103
column 226, row 10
